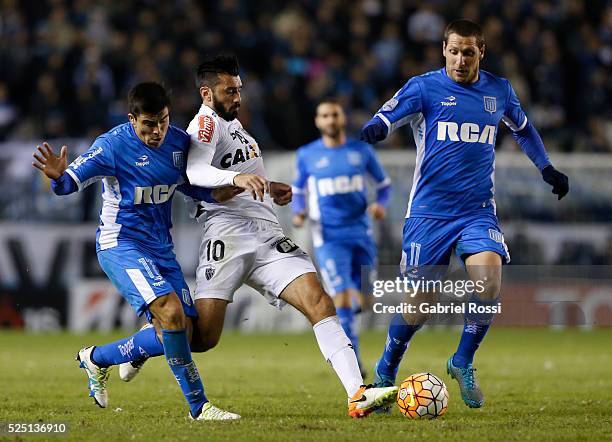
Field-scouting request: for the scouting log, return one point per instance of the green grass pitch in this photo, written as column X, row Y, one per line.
column 539, row 385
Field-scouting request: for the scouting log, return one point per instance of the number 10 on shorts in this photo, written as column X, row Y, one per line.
column 215, row 250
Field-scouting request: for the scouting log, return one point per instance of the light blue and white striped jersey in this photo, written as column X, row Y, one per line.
column 335, row 180
column 454, row 127
column 138, row 184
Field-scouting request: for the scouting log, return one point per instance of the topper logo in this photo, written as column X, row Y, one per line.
column 153, row 194
column 467, row 132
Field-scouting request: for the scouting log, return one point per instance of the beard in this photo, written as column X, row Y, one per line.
column 224, row 112
column 332, row 131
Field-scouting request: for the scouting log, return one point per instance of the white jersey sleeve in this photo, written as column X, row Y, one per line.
column 204, row 138
column 227, row 146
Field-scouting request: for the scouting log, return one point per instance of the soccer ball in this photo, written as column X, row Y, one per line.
column 422, row 396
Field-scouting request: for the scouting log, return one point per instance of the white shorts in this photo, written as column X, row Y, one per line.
column 256, row 252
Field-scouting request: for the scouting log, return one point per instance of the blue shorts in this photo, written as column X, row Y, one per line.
column 430, row 241
column 340, row 263
column 142, row 277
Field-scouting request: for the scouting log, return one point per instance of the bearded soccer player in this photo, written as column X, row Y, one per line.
column 332, row 172
column 454, row 113
column 141, row 164
column 243, row 243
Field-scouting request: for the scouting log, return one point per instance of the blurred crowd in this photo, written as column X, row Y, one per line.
column 66, row 65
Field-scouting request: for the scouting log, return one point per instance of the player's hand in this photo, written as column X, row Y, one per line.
column 281, row 193
column 255, row 184
column 298, row 219
column 558, row 180
column 226, row 193
column 377, row 211
column 51, row 165
column 374, row 131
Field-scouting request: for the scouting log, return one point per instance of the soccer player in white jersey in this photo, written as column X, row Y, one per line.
column 243, row 242
column 454, row 113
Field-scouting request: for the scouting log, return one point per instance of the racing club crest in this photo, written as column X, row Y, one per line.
column 490, row 104
column 177, row 159
column 186, row 296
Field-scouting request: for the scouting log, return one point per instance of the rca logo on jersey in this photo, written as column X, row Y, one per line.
column 144, row 161
column 467, row 132
column 153, row 194
column 340, row 184
column 206, row 128
column 240, row 155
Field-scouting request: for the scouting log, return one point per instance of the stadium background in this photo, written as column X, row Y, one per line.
column 66, row 67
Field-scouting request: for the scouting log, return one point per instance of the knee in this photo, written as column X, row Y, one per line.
column 489, row 287
column 417, row 318
column 170, row 314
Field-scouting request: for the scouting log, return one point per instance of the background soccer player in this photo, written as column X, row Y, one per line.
column 141, row 163
column 454, row 113
column 333, row 170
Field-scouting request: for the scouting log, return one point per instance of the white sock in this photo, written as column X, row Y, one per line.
column 338, row 351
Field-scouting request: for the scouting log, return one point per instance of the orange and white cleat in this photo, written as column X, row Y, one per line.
column 369, row 398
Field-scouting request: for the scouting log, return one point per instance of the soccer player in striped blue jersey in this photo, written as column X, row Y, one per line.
column 454, row 113
column 332, row 171
column 141, row 163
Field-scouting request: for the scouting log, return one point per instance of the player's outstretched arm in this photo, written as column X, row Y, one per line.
column 405, row 106
column 531, row 143
column 53, row 166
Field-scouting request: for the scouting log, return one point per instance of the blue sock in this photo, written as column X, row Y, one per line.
column 144, row 344
column 178, row 355
column 347, row 321
column 398, row 340
column 475, row 328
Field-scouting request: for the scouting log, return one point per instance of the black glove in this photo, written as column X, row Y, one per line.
column 374, row 131
column 558, row 180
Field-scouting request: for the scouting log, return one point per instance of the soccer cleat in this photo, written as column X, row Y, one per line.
column 97, row 376
column 369, row 398
column 470, row 391
column 129, row 370
column 211, row 413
